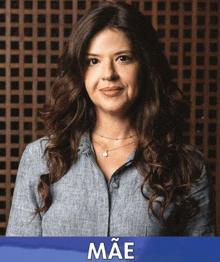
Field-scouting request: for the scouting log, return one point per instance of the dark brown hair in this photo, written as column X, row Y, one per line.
column 158, row 113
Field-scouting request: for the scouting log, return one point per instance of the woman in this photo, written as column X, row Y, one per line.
column 113, row 161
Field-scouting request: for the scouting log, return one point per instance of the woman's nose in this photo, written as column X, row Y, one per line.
column 108, row 71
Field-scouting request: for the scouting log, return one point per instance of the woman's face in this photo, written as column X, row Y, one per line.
column 112, row 72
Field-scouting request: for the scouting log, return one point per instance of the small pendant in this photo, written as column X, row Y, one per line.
column 105, row 153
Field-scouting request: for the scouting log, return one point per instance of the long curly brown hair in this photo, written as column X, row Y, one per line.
column 168, row 165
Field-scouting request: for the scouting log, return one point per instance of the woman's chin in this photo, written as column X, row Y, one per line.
column 114, row 111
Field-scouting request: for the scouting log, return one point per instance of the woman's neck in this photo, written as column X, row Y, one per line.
column 113, row 127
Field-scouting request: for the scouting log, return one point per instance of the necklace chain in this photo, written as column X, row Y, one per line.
column 107, row 150
column 115, row 138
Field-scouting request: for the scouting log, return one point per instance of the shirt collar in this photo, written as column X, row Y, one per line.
column 85, row 146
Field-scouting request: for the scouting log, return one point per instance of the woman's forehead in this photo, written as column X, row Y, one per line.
column 109, row 39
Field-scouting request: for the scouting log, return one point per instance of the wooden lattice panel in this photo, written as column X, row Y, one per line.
column 32, row 35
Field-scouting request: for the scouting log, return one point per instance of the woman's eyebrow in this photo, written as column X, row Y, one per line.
column 89, row 54
column 117, row 53
column 122, row 52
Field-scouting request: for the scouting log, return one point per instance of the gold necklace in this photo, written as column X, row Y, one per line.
column 105, row 154
column 114, row 138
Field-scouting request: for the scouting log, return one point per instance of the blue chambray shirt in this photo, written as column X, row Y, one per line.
column 85, row 205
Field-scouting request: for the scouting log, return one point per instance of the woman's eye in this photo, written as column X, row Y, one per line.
column 124, row 58
column 93, row 61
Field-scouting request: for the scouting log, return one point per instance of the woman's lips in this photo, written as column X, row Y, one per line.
column 111, row 91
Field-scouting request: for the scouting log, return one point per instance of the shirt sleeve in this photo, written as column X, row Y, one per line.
column 204, row 222
column 22, row 221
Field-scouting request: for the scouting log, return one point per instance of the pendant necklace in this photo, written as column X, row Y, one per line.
column 105, row 154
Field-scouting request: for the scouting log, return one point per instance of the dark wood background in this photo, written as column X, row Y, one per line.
column 32, row 35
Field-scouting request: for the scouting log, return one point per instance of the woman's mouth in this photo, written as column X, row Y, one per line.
column 111, row 91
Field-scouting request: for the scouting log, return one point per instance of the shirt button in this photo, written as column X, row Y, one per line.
column 115, row 184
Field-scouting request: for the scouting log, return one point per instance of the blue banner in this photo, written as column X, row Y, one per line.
column 149, row 249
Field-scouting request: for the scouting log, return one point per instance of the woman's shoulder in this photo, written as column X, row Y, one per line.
column 32, row 163
column 34, row 153
column 38, row 146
